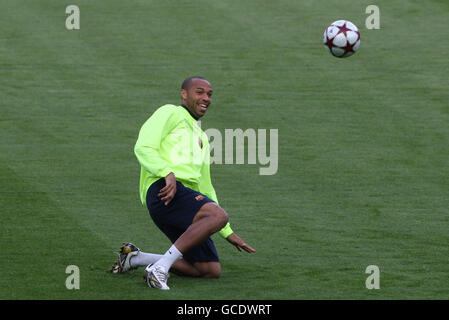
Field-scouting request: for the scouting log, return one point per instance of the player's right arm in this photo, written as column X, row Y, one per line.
column 168, row 192
column 151, row 135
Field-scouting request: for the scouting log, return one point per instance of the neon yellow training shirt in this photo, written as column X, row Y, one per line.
column 171, row 141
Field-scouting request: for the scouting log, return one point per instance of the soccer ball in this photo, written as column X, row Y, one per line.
column 342, row 38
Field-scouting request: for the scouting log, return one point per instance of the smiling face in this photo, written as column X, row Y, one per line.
column 197, row 96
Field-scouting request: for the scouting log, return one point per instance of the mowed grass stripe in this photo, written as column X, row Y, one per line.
column 42, row 240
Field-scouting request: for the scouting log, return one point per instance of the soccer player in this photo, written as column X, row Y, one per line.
column 176, row 187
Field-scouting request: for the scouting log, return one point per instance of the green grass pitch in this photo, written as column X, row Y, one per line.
column 363, row 175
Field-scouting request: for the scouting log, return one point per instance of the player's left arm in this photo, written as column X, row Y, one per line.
column 239, row 243
column 207, row 189
column 205, row 183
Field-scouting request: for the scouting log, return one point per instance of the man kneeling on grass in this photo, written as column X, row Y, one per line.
column 176, row 187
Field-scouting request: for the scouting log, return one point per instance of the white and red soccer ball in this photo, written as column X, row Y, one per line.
column 342, row 38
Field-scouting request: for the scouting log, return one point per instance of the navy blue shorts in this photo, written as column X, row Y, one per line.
column 175, row 218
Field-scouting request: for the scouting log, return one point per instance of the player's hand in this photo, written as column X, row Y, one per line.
column 168, row 192
column 239, row 243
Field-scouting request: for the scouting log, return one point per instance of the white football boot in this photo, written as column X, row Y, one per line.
column 156, row 277
column 122, row 264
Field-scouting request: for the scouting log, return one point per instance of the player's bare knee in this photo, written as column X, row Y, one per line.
column 209, row 270
column 218, row 217
column 213, row 273
column 223, row 217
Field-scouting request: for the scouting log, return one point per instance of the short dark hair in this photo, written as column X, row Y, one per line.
column 186, row 83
